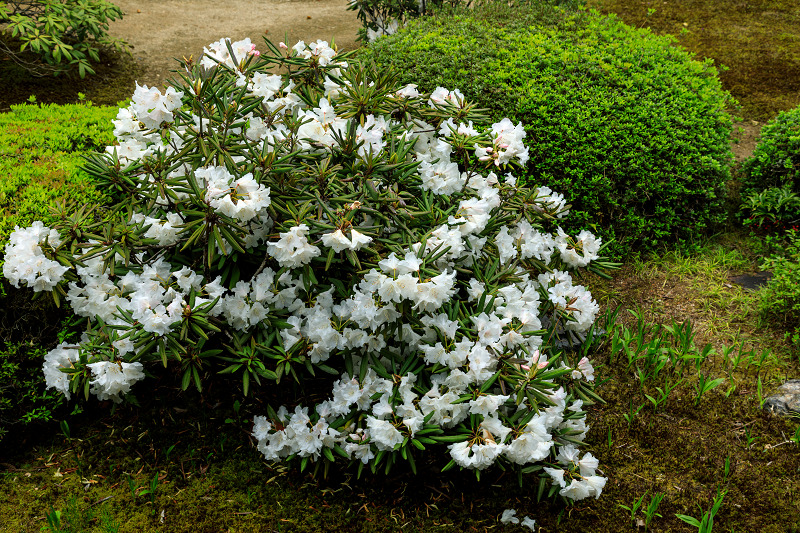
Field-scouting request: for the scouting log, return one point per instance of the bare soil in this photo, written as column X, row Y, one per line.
column 161, row 30
column 744, row 138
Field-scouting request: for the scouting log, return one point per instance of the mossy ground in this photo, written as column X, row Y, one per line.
column 195, row 452
column 756, row 43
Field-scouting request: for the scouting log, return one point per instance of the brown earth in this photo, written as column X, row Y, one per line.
column 161, row 30
column 744, row 138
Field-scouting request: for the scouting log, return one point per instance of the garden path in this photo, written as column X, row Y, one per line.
column 161, row 30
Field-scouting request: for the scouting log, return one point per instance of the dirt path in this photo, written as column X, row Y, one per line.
column 160, row 30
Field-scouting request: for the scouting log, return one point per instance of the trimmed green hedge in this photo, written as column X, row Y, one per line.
column 776, row 159
column 41, row 149
column 632, row 130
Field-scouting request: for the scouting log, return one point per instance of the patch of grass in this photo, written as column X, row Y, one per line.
column 697, row 286
column 756, row 43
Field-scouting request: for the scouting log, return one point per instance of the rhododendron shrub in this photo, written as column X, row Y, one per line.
column 286, row 214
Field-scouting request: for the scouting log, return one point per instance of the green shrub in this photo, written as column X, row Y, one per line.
column 772, row 209
column 780, row 299
column 385, row 17
column 631, row 129
column 60, row 35
column 41, row 152
column 321, row 185
column 776, row 159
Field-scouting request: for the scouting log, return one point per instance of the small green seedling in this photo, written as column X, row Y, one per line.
column 634, row 506
column 706, row 523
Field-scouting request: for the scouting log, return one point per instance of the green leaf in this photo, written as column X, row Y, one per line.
column 689, row 520
column 450, row 438
column 187, row 377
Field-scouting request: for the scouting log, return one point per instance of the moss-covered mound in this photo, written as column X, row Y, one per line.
column 631, row 129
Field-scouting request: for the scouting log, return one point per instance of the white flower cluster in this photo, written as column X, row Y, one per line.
column 376, row 304
column 384, row 28
column 579, row 252
column 111, row 379
column 506, row 144
column 575, row 300
column 581, row 473
column 152, row 108
column 241, row 198
column 165, row 230
column 26, row 261
column 318, row 51
column 218, row 52
column 293, row 249
column 148, row 297
column 62, row 356
column 135, row 125
column 509, row 516
column 433, row 302
column 114, row 378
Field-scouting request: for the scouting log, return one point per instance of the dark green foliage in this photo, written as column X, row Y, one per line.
column 48, row 37
column 772, row 209
column 41, row 150
column 23, row 397
column 776, row 160
column 630, row 129
column 780, row 299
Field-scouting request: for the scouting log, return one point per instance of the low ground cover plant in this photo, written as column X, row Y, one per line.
column 274, row 227
column 49, row 37
column 632, row 130
column 42, row 149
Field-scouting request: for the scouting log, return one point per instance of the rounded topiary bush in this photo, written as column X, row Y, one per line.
column 776, row 160
column 631, row 129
